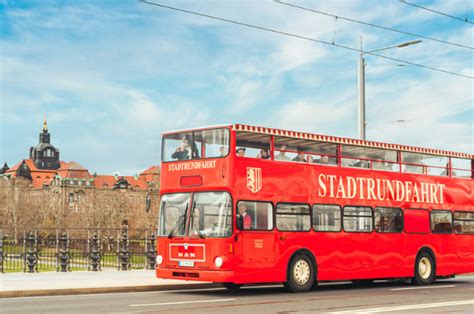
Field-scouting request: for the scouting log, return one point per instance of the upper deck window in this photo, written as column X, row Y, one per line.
column 461, row 168
column 196, row 145
column 425, row 164
column 363, row 157
column 253, row 145
column 300, row 150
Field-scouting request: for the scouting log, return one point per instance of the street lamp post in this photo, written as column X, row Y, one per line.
column 361, row 83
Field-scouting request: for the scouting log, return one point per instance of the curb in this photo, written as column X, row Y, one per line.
column 76, row 291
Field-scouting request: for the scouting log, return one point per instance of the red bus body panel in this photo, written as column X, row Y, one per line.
column 263, row 256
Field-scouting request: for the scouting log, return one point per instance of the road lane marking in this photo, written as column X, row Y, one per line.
column 183, row 302
column 417, row 288
column 407, row 307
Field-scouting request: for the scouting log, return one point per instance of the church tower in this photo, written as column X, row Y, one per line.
column 45, row 155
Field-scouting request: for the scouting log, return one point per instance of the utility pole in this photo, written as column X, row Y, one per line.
column 361, row 83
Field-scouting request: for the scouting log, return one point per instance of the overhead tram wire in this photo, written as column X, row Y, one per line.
column 300, row 37
column 437, row 12
column 373, row 25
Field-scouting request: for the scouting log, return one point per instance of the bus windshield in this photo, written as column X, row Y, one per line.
column 211, row 215
column 173, row 213
column 196, row 145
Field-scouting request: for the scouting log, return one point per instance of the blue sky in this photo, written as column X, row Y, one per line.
column 110, row 76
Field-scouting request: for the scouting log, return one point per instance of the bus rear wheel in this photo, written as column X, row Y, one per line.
column 424, row 269
column 231, row 286
column 301, row 276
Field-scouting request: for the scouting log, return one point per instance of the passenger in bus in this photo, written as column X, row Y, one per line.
column 282, row 154
column 326, row 160
column 362, row 163
column 322, row 160
column 183, row 152
column 240, row 152
column 264, row 154
column 413, row 165
column 222, row 151
column 247, row 218
column 300, row 157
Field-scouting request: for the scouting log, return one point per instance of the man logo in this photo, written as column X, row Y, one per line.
column 254, row 179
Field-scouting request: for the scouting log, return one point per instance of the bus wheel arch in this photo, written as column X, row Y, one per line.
column 425, row 267
column 302, row 270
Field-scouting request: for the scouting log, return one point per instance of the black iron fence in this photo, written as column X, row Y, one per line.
column 47, row 249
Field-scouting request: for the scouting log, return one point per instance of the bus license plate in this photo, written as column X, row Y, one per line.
column 186, row 263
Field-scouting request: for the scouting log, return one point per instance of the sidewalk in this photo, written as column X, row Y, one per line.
column 83, row 282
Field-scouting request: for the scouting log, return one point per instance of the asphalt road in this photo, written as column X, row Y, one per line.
column 446, row 296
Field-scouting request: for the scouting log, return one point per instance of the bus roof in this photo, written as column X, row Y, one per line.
column 348, row 141
column 197, row 129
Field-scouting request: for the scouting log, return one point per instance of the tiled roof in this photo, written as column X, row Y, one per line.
column 136, row 183
column 104, row 181
column 15, row 167
column 73, row 170
column 108, row 181
column 41, row 177
column 152, row 170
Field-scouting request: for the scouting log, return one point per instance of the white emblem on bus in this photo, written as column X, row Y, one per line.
column 254, row 179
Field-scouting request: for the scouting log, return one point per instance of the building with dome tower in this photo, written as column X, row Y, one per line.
column 46, row 183
column 45, row 155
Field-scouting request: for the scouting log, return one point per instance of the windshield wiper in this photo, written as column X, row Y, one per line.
column 176, row 225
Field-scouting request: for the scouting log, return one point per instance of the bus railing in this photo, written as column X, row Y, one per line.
column 30, row 249
column 373, row 164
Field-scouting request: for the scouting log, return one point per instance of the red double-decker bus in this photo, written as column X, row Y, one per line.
column 243, row 204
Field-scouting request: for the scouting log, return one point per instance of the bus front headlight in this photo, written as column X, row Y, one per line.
column 218, row 261
column 159, row 259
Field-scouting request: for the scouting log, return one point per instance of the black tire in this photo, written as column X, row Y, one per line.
column 425, row 269
column 231, row 286
column 363, row 282
column 301, row 274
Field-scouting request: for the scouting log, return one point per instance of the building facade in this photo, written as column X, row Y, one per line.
column 44, row 191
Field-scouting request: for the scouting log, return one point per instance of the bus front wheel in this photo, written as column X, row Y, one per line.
column 424, row 269
column 301, row 276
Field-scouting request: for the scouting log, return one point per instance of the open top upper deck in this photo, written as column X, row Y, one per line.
column 348, row 141
column 209, row 157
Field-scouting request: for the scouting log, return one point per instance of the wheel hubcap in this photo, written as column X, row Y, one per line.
column 424, row 268
column 301, row 272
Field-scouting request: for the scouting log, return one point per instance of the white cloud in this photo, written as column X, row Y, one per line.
column 121, row 75
column 311, row 116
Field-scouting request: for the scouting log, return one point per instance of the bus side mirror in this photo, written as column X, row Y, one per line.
column 240, row 222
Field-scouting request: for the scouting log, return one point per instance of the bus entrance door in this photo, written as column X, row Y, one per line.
column 255, row 255
column 257, row 247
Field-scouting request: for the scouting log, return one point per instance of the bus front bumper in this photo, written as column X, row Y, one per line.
column 195, row 274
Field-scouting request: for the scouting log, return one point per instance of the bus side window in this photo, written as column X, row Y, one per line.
column 327, row 218
column 464, row 222
column 293, row 217
column 441, row 221
column 260, row 215
column 388, row 219
column 357, row 219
